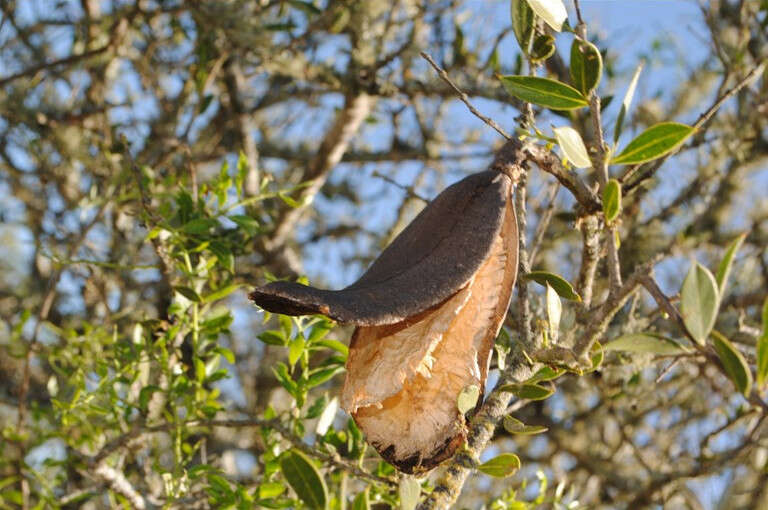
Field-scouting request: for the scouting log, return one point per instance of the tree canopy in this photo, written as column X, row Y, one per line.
column 160, row 158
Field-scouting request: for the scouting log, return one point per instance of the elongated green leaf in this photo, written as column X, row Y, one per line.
column 560, row 284
column 515, row 426
column 699, row 300
column 551, row 11
column 545, row 374
column 361, row 501
column 762, row 350
column 501, row 466
column 544, row 92
column 221, row 293
column 650, row 343
column 272, row 337
column 522, row 23
column 586, row 66
column 653, row 143
column 295, row 349
column 573, row 146
column 611, row 199
column 304, row 478
column 468, row 398
column 626, row 103
column 409, row 491
column 528, row 391
column 734, row 363
column 724, row 269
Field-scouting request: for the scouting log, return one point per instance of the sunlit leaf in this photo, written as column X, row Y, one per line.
column 653, row 143
column 544, row 92
column 611, row 200
column 468, row 398
column 528, row 391
column 649, row 343
column 586, row 66
column 699, row 300
column 573, row 146
column 515, row 426
column 501, row 466
column 626, row 103
column 551, row 11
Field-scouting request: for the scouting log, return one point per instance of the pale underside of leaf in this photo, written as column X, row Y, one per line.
column 403, row 380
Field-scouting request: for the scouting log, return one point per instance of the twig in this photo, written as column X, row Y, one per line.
column 463, row 97
column 703, row 118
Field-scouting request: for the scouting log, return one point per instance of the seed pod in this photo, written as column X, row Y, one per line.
column 428, row 311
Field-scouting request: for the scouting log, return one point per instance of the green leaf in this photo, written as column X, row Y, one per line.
column 501, row 466
column 611, row 200
column 199, row 226
column 586, row 66
column 543, row 47
column 653, row 143
column 734, row 363
column 724, row 269
column 522, row 23
column 295, row 349
column 545, row 374
column 188, row 293
column 762, row 350
column 270, row 490
column 409, row 491
column 699, row 301
column 304, row 478
column 650, row 343
column 551, row 11
column 468, row 398
column 323, row 375
column 221, row 293
column 334, row 345
column 626, row 104
column 361, row 501
column 272, row 337
column 544, row 92
column 515, row 426
column 528, row 391
column 573, row 146
column 560, row 284
column 554, row 310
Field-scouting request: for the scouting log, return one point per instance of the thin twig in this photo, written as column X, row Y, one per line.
column 463, row 97
column 703, row 118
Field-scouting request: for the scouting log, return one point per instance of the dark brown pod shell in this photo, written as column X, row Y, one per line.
column 428, row 262
column 428, row 311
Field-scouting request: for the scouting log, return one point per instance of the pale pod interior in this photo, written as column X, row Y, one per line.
column 403, row 380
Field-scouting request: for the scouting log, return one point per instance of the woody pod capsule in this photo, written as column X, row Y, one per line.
column 427, row 312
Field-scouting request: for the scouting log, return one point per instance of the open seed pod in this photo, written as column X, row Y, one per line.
column 427, row 313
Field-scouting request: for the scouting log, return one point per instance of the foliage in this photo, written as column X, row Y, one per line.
column 157, row 158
